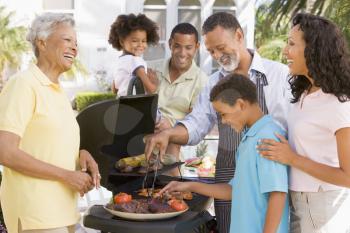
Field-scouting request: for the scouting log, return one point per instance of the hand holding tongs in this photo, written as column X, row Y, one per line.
column 157, row 162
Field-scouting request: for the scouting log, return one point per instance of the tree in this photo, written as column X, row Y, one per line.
column 273, row 21
column 269, row 39
column 12, row 43
column 280, row 11
column 339, row 12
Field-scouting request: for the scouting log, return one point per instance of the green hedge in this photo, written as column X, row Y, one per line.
column 84, row 99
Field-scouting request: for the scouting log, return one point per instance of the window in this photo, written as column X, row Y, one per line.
column 62, row 6
column 189, row 11
column 227, row 6
column 58, row 5
column 156, row 11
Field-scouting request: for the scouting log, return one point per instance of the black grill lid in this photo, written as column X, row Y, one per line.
column 114, row 129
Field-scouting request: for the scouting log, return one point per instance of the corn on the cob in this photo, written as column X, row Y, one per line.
column 132, row 161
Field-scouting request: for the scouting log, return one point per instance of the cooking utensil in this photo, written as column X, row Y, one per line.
column 156, row 165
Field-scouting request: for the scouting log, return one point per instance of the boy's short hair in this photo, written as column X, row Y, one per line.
column 184, row 28
column 232, row 87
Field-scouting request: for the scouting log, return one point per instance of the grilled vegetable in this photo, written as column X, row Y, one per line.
column 177, row 205
column 133, row 162
column 193, row 162
column 122, row 198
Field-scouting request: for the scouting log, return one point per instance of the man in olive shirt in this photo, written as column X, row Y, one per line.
column 180, row 80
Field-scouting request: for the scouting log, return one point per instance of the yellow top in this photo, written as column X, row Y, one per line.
column 37, row 110
column 177, row 99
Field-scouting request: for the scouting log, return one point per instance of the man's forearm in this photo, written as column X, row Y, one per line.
column 178, row 134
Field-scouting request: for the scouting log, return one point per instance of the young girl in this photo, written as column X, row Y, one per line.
column 132, row 34
column 319, row 127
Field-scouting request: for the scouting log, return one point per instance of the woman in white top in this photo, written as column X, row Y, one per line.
column 132, row 34
column 319, row 127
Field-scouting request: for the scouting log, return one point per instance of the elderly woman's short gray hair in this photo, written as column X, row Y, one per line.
column 43, row 25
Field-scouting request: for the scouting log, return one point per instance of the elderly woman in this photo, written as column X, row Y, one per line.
column 39, row 137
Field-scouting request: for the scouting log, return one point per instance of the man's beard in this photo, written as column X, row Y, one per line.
column 232, row 64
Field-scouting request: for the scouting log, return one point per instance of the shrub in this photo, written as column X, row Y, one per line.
column 84, row 99
column 272, row 49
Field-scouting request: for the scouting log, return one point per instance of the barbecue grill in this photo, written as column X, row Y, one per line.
column 113, row 129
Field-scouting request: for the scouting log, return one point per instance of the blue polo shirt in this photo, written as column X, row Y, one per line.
column 254, row 179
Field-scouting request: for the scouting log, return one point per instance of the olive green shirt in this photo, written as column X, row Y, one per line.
column 177, row 99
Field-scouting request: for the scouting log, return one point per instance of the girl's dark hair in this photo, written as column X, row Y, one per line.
column 125, row 24
column 232, row 87
column 327, row 58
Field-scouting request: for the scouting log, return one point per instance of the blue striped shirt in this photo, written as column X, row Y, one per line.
column 277, row 95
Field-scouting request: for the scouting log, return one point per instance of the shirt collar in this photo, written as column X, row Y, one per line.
column 256, row 127
column 42, row 78
column 188, row 75
column 126, row 53
column 223, row 73
column 257, row 64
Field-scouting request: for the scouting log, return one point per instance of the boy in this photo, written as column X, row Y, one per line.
column 259, row 187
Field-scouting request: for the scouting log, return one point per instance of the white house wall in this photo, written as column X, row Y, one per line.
column 94, row 20
column 94, row 17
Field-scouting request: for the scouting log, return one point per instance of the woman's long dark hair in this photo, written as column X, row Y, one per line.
column 327, row 58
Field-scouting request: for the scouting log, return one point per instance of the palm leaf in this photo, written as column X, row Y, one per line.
column 280, row 12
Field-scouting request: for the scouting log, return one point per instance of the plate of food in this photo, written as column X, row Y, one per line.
column 143, row 209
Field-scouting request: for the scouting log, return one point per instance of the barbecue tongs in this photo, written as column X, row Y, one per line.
column 144, row 183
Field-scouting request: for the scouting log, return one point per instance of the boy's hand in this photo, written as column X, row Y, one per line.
column 175, row 186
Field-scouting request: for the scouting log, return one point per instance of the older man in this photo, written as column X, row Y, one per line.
column 224, row 39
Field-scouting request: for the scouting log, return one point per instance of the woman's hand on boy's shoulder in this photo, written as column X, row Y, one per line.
column 278, row 151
